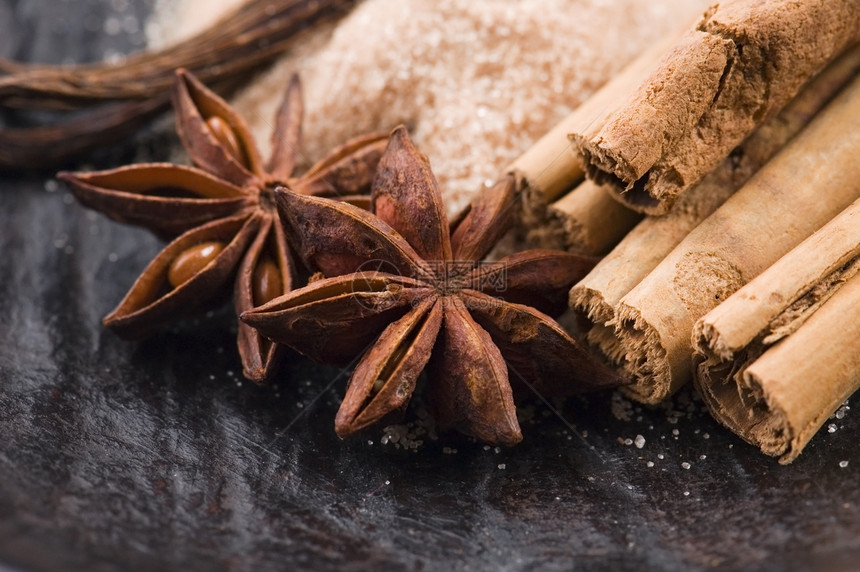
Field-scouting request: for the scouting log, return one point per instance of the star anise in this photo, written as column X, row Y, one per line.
column 221, row 213
column 401, row 276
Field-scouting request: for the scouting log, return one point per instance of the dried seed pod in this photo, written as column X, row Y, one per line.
column 152, row 302
column 229, row 199
column 423, row 311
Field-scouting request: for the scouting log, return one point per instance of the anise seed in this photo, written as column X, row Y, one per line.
column 225, row 135
column 267, row 281
column 191, row 261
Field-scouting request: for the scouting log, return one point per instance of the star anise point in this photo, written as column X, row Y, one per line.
column 465, row 322
column 226, row 199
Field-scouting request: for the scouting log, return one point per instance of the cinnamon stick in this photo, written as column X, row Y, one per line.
column 810, row 181
column 778, row 356
column 584, row 221
column 548, row 169
column 740, row 64
column 595, row 298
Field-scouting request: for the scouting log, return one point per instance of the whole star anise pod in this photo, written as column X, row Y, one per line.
column 401, row 276
column 223, row 212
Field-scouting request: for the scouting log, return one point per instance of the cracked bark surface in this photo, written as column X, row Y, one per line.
column 738, row 67
column 811, row 180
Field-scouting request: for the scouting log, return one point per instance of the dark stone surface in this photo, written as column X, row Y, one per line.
column 117, row 455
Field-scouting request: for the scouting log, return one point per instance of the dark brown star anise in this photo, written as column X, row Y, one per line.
column 401, row 276
column 221, row 213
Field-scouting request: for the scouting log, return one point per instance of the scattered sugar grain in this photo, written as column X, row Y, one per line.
column 621, row 407
column 112, row 26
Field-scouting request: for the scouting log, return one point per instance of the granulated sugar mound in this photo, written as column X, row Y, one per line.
column 476, row 81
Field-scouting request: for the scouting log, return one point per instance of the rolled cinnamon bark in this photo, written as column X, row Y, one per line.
column 810, row 181
column 549, row 168
column 585, row 221
column 778, row 356
column 595, row 298
column 741, row 64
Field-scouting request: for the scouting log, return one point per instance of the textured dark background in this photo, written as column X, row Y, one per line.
column 117, row 455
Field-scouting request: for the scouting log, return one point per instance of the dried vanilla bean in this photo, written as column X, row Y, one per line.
column 117, row 99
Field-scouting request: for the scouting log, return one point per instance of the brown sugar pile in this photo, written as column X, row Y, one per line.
column 476, row 81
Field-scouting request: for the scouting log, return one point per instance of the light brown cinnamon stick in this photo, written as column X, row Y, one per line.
column 596, row 297
column 742, row 62
column 778, row 356
column 549, row 168
column 587, row 220
column 810, row 181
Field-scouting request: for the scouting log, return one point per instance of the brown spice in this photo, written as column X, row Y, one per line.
column 813, row 178
column 403, row 278
column 597, row 297
column 120, row 98
column 737, row 68
column 779, row 356
column 222, row 213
